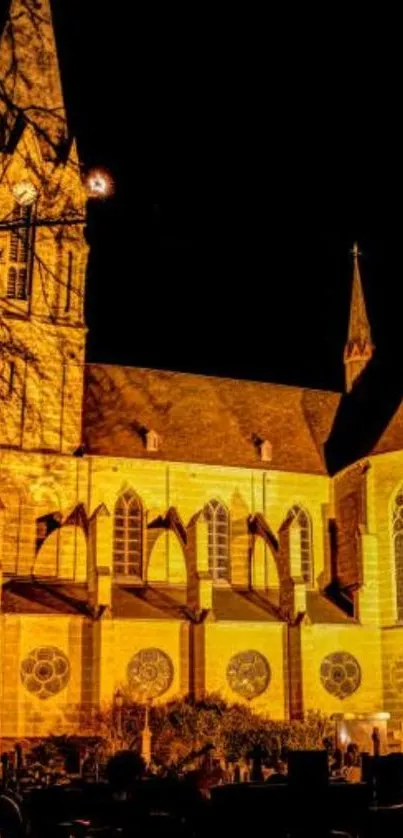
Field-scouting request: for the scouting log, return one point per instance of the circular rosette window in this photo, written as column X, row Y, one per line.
column 45, row 671
column 340, row 674
column 150, row 674
column 248, row 673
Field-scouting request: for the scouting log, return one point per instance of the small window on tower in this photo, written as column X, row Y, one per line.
column 69, row 281
column 18, row 254
column 21, row 288
column 3, row 248
column 11, row 283
column 7, row 378
column 17, row 284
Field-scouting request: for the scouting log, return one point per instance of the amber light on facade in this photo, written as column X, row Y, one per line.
column 211, row 553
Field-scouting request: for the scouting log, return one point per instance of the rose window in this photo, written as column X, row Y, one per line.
column 45, row 671
column 340, row 674
column 150, row 673
column 248, row 673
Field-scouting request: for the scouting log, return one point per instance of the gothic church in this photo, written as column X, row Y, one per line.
column 162, row 532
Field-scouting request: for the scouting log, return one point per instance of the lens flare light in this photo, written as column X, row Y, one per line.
column 99, row 184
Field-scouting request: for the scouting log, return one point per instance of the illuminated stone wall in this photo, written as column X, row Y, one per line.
column 123, row 639
column 224, row 641
column 35, row 485
column 32, row 486
column 42, row 333
column 363, row 694
column 386, row 475
column 24, row 713
column 188, row 487
column 56, row 510
column 99, row 651
column 392, row 670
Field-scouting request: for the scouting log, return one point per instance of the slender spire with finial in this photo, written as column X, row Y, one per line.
column 359, row 346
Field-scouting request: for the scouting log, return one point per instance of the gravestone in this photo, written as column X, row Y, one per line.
column 308, row 782
column 388, row 776
column 308, row 769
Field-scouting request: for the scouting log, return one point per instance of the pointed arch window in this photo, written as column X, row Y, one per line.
column 17, row 279
column 128, row 536
column 398, row 551
column 305, row 535
column 217, row 519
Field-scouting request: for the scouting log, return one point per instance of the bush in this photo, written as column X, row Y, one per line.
column 184, row 726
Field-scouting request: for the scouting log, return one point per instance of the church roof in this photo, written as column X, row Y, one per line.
column 137, row 603
column 34, row 597
column 204, row 419
column 247, row 606
column 23, row 596
column 149, row 603
column 320, row 609
column 251, row 606
column 392, row 437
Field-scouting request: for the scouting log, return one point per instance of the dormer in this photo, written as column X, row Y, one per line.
column 153, row 441
column 266, row 451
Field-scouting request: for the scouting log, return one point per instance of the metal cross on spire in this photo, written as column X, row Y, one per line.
column 355, row 250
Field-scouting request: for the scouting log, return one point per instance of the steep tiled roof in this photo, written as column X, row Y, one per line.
column 392, row 437
column 149, row 603
column 247, row 606
column 29, row 597
column 320, row 609
column 251, row 606
column 203, row 419
column 157, row 603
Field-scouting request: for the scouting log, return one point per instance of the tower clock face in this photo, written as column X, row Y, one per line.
column 25, row 193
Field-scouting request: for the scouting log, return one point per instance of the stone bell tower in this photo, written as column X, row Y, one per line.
column 43, row 252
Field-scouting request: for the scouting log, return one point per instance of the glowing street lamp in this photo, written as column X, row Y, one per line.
column 99, row 184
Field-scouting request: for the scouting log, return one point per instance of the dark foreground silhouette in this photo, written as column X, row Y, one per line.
column 297, row 800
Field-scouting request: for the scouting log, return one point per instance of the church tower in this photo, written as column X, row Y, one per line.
column 359, row 347
column 43, row 252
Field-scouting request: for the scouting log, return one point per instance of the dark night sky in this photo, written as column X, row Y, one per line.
column 238, row 195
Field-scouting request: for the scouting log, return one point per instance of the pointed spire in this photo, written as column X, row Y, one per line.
column 30, row 86
column 359, row 328
column 359, row 346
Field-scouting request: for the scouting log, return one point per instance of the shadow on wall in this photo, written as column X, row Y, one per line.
column 364, row 413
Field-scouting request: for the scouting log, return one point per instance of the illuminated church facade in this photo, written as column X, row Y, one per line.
column 164, row 532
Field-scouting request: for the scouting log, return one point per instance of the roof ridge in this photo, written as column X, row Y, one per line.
column 209, row 377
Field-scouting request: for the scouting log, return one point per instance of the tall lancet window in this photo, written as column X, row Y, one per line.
column 18, row 257
column 128, row 536
column 217, row 518
column 398, row 551
column 301, row 520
